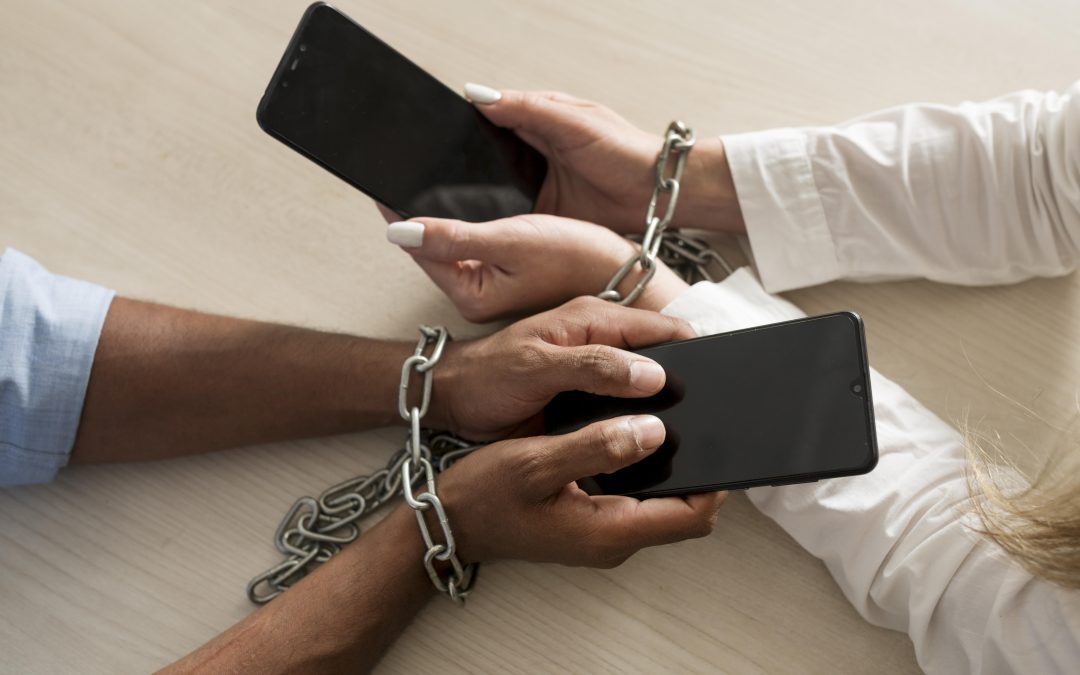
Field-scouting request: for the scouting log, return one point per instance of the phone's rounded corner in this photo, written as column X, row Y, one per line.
column 853, row 317
column 871, row 463
column 313, row 7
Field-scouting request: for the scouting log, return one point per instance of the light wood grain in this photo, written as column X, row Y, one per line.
column 131, row 158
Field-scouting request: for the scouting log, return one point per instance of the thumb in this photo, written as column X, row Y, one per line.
column 602, row 447
column 445, row 240
column 603, row 370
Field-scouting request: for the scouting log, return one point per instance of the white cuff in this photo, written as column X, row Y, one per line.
column 780, row 204
column 734, row 303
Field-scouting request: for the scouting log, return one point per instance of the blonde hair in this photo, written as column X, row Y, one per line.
column 1035, row 519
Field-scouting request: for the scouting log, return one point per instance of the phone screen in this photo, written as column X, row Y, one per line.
column 770, row 405
column 348, row 101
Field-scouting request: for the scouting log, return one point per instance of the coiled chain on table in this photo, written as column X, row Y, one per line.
column 314, row 529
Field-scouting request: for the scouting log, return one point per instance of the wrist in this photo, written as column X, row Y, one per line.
column 664, row 287
column 367, row 393
column 707, row 197
column 458, row 490
column 448, row 377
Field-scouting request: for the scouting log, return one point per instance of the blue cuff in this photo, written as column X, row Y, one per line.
column 49, row 330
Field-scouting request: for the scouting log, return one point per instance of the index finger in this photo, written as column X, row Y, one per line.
column 593, row 321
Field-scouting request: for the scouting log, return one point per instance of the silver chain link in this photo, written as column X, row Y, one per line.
column 314, row 530
column 687, row 256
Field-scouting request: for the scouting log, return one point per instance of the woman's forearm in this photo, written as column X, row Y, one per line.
column 707, row 198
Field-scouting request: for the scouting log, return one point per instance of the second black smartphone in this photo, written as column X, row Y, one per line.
column 772, row 405
column 349, row 102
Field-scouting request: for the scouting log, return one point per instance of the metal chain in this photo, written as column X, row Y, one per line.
column 458, row 579
column 314, row 530
column 689, row 257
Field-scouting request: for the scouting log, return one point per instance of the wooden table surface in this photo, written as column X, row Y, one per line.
column 130, row 157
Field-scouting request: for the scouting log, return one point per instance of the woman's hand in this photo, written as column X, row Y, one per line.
column 498, row 385
column 601, row 168
column 517, row 499
column 524, row 264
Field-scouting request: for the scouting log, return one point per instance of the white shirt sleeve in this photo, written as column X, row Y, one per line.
column 978, row 193
column 898, row 540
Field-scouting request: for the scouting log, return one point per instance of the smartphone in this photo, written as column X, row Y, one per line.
column 346, row 100
column 772, row 405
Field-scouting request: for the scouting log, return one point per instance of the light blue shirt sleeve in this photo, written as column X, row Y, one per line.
column 49, row 330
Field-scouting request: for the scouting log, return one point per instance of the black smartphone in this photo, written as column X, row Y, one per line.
column 349, row 102
column 778, row 404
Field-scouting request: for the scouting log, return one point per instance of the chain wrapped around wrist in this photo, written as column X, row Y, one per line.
column 459, row 578
column 687, row 256
column 315, row 529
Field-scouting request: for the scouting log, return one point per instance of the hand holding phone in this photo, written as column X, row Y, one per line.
column 772, row 405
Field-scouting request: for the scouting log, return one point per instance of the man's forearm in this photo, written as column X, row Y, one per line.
column 167, row 382
column 339, row 620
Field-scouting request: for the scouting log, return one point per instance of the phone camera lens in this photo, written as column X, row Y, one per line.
column 303, row 48
column 857, row 388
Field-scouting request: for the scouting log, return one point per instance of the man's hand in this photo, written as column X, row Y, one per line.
column 498, row 385
column 524, row 264
column 518, row 500
column 601, row 167
column 511, row 500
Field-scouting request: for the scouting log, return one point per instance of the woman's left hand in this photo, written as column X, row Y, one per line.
column 523, row 264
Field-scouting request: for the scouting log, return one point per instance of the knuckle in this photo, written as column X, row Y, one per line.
column 535, row 463
column 458, row 240
column 535, row 99
column 599, row 360
column 532, row 358
column 704, row 524
column 611, row 440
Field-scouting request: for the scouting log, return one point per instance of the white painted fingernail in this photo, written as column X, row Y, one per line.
column 407, row 233
column 478, row 93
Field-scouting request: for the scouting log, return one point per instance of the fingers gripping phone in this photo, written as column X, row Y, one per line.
column 352, row 104
column 772, row 405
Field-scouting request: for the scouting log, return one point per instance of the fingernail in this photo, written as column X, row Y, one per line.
column 407, row 233
column 478, row 93
column 647, row 376
column 649, row 431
